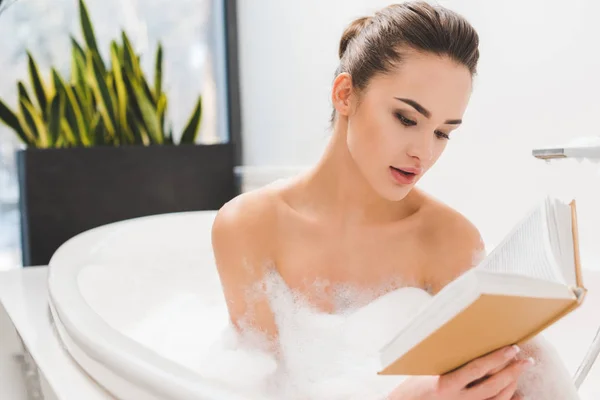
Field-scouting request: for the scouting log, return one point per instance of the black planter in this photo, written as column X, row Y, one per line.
column 65, row 192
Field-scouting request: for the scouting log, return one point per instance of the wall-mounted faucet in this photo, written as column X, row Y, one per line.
column 589, row 148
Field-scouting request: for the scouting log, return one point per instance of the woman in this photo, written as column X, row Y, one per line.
column 401, row 89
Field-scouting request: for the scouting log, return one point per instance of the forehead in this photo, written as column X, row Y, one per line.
column 437, row 83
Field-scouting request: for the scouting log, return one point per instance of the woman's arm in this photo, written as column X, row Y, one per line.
column 241, row 242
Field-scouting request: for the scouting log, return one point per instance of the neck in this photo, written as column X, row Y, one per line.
column 337, row 188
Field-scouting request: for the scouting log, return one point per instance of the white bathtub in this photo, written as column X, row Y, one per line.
column 137, row 302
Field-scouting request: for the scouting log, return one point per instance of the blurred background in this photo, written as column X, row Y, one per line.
column 537, row 86
column 192, row 34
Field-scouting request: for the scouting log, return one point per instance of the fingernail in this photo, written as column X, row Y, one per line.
column 513, row 351
column 530, row 361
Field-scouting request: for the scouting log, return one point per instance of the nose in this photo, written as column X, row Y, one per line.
column 421, row 146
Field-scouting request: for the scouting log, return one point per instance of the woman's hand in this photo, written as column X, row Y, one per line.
column 491, row 377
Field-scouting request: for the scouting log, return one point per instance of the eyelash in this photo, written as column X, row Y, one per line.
column 409, row 122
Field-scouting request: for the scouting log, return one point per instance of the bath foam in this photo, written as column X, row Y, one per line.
column 323, row 355
column 335, row 356
column 548, row 379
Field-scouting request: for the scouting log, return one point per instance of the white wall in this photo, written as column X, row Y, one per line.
column 538, row 84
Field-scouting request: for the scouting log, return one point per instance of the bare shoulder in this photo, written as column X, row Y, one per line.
column 453, row 244
column 246, row 222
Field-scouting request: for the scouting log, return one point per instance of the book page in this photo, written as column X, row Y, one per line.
column 560, row 232
column 567, row 245
column 526, row 250
column 554, row 233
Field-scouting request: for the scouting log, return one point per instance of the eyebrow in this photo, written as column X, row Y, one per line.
column 426, row 112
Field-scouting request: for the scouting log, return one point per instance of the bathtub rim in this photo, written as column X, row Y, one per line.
column 121, row 390
column 137, row 364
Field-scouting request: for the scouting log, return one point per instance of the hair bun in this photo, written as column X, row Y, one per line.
column 351, row 32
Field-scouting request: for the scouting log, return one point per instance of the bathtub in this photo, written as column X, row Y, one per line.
column 138, row 302
column 134, row 301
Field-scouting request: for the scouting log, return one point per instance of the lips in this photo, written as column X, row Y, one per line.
column 404, row 175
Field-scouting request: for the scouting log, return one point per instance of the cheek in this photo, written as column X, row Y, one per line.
column 438, row 150
column 371, row 139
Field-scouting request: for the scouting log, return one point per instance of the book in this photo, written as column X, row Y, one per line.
column 531, row 280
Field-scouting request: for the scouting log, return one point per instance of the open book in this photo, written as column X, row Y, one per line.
column 528, row 282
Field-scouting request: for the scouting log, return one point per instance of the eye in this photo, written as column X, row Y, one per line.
column 442, row 135
column 405, row 121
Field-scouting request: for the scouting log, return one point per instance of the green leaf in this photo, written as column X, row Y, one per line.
column 67, row 132
column 36, row 123
column 149, row 93
column 121, row 93
column 73, row 110
column 151, row 120
column 137, row 128
column 37, row 82
column 133, row 109
column 85, row 102
column 130, row 60
column 82, row 87
column 55, row 115
column 77, row 64
column 88, row 34
column 97, row 131
column 102, row 94
column 60, row 142
column 190, row 133
column 26, row 120
column 23, row 94
column 161, row 110
column 12, row 121
column 77, row 49
column 158, row 72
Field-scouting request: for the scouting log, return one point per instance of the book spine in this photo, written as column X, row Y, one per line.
column 575, row 230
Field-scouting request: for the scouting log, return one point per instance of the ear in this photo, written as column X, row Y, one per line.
column 341, row 94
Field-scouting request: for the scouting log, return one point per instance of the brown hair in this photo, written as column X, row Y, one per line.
column 377, row 44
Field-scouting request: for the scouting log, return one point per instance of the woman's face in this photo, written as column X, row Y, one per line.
column 400, row 124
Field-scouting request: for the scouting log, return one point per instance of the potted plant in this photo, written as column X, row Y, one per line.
column 99, row 149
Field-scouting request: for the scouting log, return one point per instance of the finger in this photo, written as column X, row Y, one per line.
column 507, row 393
column 517, row 396
column 494, row 385
column 491, row 373
column 480, row 367
column 501, row 367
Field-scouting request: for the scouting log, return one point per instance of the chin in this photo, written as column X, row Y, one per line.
column 395, row 192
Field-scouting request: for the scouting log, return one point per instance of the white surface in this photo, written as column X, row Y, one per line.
column 288, row 55
column 123, row 363
column 9, row 259
column 12, row 385
column 24, row 295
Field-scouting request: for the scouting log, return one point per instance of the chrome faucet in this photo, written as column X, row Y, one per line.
column 591, row 152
